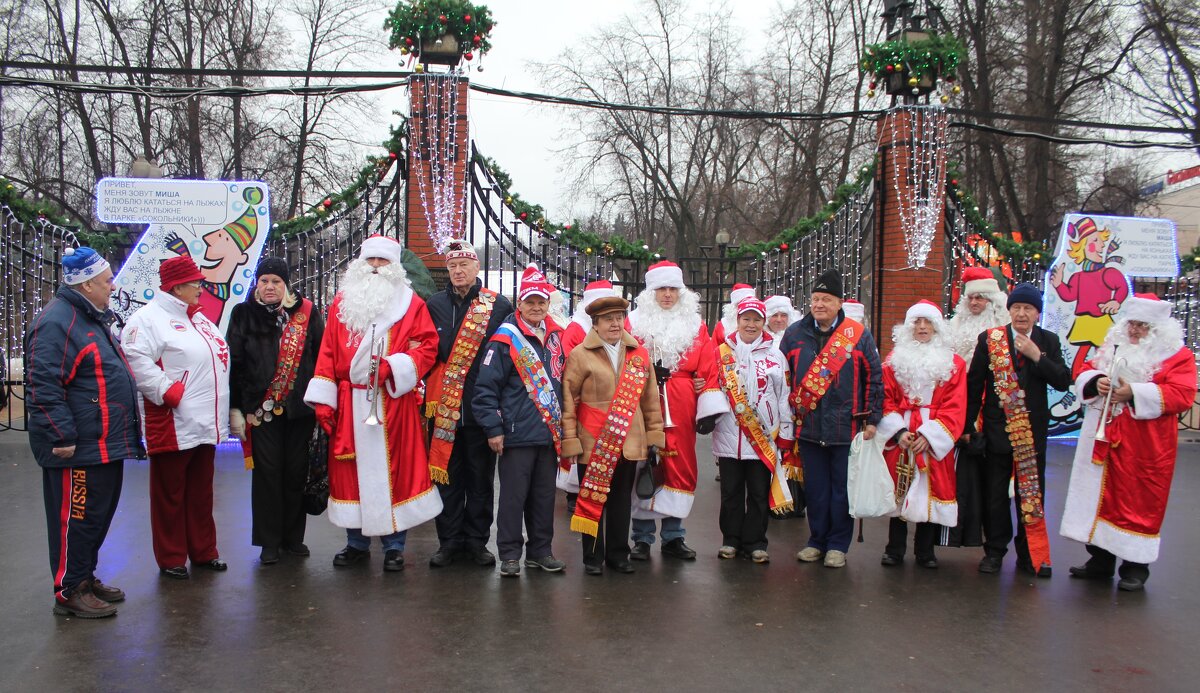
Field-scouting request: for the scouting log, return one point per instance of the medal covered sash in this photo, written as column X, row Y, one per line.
column 537, row 384
column 445, row 398
column 819, row 378
column 610, row 442
column 291, row 348
column 747, row 420
column 1020, row 436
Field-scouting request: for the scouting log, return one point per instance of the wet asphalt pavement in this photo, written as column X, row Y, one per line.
column 704, row 625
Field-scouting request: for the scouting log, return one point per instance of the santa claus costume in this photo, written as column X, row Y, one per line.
column 682, row 354
column 727, row 325
column 1119, row 486
column 924, row 404
column 378, row 344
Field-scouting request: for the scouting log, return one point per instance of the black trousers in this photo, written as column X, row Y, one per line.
column 467, row 501
column 745, row 503
column 80, row 504
column 526, row 493
column 1102, row 561
column 612, row 536
column 280, row 448
column 998, row 508
column 923, row 541
column 969, row 530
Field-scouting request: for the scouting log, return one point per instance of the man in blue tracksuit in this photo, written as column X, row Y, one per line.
column 837, row 390
column 83, row 425
column 517, row 402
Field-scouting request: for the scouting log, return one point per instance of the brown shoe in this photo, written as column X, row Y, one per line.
column 107, row 593
column 84, row 604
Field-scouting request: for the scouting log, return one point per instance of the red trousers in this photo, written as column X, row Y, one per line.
column 181, row 506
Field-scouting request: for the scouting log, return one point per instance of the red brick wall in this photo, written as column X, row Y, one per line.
column 416, row 236
column 897, row 288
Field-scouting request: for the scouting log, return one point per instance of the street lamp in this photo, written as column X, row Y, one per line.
column 722, row 239
column 144, row 168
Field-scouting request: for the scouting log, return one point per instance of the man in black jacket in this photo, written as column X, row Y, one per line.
column 1035, row 357
column 83, row 425
column 518, row 403
column 466, row 315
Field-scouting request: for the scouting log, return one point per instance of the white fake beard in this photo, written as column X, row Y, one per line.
column 1142, row 360
column 964, row 327
column 915, row 364
column 668, row 334
column 729, row 318
column 367, row 292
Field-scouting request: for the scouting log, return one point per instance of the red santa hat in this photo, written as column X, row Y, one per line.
column 534, row 283
column 381, row 247
column 1146, row 308
column 751, row 304
column 979, row 280
column 778, row 304
column 739, row 292
column 854, row 310
column 457, row 248
column 664, row 274
column 923, row 309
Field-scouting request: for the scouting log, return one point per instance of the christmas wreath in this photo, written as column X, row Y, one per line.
column 938, row 55
column 417, row 22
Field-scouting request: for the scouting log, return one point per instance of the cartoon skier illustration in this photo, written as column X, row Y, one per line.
column 1098, row 288
column 224, row 252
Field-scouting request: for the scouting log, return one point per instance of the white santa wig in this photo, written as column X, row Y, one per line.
column 915, row 363
column 1142, row 360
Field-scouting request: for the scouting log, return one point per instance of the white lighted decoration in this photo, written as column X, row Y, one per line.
column 918, row 180
column 434, row 152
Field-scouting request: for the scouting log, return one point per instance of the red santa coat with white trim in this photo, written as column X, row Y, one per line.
column 674, row 498
column 938, row 413
column 1119, row 503
column 378, row 475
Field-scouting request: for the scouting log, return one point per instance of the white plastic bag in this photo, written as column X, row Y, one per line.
column 869, row 485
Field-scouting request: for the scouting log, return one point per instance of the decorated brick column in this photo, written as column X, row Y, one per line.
column 910, row 185
column 438, row 155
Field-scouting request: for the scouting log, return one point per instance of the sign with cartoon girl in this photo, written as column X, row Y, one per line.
column 223, row 225
column 1095, row 260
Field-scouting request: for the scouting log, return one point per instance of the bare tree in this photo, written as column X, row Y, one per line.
column 1168, row 69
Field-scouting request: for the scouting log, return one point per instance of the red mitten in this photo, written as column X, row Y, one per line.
column 383, row 369
column 326, row 417
column 174, row 395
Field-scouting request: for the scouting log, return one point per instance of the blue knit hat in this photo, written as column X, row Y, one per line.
column 1026, row 293
column 81, row 264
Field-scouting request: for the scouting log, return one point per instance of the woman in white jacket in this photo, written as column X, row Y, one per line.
column 747, row 440
column 181, row 364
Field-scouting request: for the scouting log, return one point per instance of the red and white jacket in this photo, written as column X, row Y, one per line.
column 165, row 345
column 762, row 373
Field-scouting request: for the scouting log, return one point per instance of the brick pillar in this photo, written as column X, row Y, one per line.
column 895, row 287
column 423, row 130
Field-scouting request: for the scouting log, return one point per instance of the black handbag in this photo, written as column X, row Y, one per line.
column 649, row 478
column 316, row 489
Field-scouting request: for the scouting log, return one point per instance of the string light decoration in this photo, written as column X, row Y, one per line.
column 1017, row 252
column 434, row 152
column 917, row 177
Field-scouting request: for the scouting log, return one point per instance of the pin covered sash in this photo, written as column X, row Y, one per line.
column 819, row 378
column 760, row 441
column 291, row 348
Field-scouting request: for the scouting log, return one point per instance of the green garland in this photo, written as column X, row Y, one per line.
column 414, row 22
column 350, row 197
column 1034, row 251
column 939, row 55
column 46, row 212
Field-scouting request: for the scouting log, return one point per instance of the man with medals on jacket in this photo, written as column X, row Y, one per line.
column 518, row 404
column 667, row 323
column 837, row 391
column 466, row 315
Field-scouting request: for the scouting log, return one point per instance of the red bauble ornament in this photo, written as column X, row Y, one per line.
column 953, row 181
column 442, row 18
column 523, row 216
column 783, row 246
column 391, row 155
column 466, row 18
column 408, row 41
column 566, row 227
column 468, row 55
column 872, row 85
column 889, row 68
column 477, row 40
column 328, row 202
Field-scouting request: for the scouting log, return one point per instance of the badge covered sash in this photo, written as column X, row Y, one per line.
column 291, row 348
column 751, row 427
column 610, row 442
column 444, row 403
column 819, row 378
column 533, row 374
column 1020, row 436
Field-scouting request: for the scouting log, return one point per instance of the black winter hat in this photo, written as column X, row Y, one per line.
column 829, row 282
column 273, row 265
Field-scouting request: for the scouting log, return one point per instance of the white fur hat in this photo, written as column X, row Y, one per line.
column 779, row 304
column 382, row 247
column 739, row 292
column 979, row 280
column 924, row 309
column 1146, row 308
column 664, row 274
column 854, row 310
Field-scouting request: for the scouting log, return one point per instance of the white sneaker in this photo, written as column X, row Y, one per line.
column 835, row 559
column 727, row 552
column 760, row 556
column 809, row 554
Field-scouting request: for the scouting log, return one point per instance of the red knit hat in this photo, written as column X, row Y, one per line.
column 180, row 269
column 534, row 283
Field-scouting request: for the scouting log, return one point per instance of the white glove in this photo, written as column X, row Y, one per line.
column 237, row 424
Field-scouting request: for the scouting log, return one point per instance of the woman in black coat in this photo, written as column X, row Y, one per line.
column 273, row 341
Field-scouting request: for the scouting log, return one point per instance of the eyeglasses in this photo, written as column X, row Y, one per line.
column 192, row 285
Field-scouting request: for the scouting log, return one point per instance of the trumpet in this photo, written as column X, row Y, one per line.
column 373, row 394
column 662, row 388
column 1106, row 412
